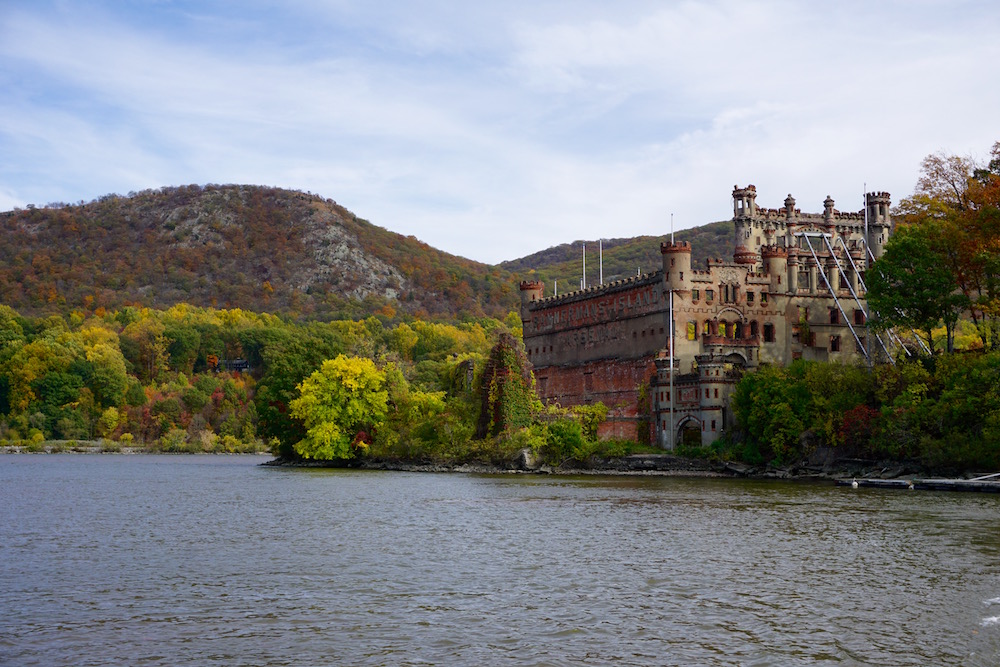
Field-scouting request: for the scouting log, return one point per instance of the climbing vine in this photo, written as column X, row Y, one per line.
column 506, row 389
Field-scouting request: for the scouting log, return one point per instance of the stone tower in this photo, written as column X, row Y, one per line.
column 879, row 223
column 531, row 291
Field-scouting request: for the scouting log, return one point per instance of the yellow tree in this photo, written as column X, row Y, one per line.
column 338, row 403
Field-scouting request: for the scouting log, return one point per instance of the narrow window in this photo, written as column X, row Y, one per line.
column 695, row 295
column 750, row 297
column 692, row 330
column 835, row 343
column 768, row 332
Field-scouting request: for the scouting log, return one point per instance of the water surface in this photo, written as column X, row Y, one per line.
column 213, row 560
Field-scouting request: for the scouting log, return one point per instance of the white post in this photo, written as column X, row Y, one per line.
column 584, row 282
column 600, row 254
column 670, row 441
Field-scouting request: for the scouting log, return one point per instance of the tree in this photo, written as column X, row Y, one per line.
column 109, row 378
column 145, row 346
column 958, row 201
column 912, row 286
column 337, row 403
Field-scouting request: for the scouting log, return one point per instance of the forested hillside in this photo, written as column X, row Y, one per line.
column 260, row 248
column 279, row 251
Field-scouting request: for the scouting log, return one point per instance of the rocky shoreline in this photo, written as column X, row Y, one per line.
column 639, row 464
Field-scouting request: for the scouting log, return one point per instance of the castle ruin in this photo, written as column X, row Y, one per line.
column 793, row 290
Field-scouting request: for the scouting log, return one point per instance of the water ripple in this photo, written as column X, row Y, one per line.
column 215, row 561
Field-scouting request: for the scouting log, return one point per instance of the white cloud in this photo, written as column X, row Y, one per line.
column 493, row 130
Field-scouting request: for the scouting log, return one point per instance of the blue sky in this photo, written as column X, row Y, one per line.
column 495, row 129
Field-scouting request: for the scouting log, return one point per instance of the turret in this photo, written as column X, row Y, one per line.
column 776, row 267
column 858, row 257
column 828, row 210
column 832, row 266
column 793, row 271
column 676, row 265
column 879, row 223
column 531, row 291
column 789, row 207
column 744, row 202
column 744, row 210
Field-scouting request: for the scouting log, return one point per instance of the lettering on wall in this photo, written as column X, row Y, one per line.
column 634, row 303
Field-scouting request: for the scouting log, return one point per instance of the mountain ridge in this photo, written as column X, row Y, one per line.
column 272, row 250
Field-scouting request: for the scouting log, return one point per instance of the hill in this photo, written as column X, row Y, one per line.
column 275, row 250
column 622, row 257
column 260, row 248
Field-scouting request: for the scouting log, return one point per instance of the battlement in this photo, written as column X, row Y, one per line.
column 679, row 246
column 597, row 290
column 770, row 251
column 530, row 285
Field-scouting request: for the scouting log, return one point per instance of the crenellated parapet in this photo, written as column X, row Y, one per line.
column 672, row 247
column 613, row 287
column 769, row 251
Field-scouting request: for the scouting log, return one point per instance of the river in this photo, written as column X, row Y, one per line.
column 215, row 560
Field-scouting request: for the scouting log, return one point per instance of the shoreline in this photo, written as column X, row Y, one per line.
column 103, row 449
column 648, row 465
column 864, row 473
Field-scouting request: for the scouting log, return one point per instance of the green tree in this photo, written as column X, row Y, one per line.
column 346, row 396
column 912, row 286
column 109, row 377
column 957, row 201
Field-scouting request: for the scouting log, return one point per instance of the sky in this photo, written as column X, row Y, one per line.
column 495, row 129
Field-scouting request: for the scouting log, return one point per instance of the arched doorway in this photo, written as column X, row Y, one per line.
column 689, row 433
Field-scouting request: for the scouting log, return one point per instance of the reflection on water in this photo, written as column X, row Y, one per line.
column 214, row 560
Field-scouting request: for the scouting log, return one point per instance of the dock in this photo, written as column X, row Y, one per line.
column 983, row 484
